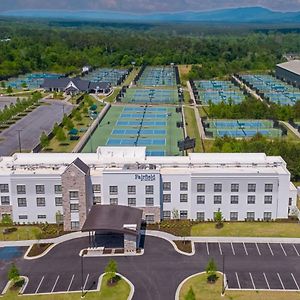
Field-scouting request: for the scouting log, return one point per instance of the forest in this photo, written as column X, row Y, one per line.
column 38, row 46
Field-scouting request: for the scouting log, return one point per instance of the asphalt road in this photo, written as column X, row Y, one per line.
column 32, row 126
column 7, row 101
column 157, row 273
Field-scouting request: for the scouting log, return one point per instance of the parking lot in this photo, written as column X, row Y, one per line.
column 255, row 276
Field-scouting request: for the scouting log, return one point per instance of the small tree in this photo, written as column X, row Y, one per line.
column 3, row 84
column 24, row 85
column 44, row 140
column 55, row 128
column 111, row 270
column 211, row 270
column 218, row 219
column 9, row 89
column 6, row 220
column 190, row 295
column 38, row 236
column 13, row 273
column 60, row 135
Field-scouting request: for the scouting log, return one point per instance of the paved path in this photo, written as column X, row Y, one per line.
column 291, row 128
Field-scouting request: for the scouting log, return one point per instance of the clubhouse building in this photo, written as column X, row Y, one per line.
column 72, row 187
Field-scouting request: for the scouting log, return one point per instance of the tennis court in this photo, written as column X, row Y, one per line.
column 30, row 81
column 152, row 127
column 214, row 91
column 241, row 128
column 158, row 76
column 272, row 88
column 150, row 96
column 113, row 76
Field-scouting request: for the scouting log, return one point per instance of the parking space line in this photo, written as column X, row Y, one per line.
column 245, row 249
column 266, row 281
column 296, row 250
column 207, row 249
column 257, row 249
column 295, row 281
column 86, row 280
column 283, row 249
column 271, row 249
column 280, row 281
column 55, row 283
column 238, row 281
column 37, row 289
column 252, row 280
column 232, row 249
column 220, row 249
column 70, row 283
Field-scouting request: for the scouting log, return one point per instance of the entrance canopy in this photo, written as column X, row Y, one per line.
column 114, row 218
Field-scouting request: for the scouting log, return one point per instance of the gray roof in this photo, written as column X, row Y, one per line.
column 292, row 66
column 113, row 218
column 81, row 165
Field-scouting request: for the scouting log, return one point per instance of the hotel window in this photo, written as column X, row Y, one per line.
column 42, row 216
column 74, row 225
column 166, row 197
column 167, row 186
column 251, row 188
column 23, row 217
column 58, row 201
column 40, row 189
column 96, row 200
column 21, row 189
column 290, row 201
column 234, row 199
column 183, row 197
column 131, row 189
column 200, row 199
column 268, row 188
column 113, row 190
column 113, row 201
column 201, row 188
column 40, row 202
column 5, row 200
column 149, row 218
column 251, row 199
column 149, row 189
column 57, row 189
column 4, row 188
column 183, row 186
column 97, row 188
column 217, row 187
column 200, row 216
column 74, row 207
column 268, row 199
column 250, row 216
column 217, row 199
column 235, row 188
column 131, row 201
column 73, row 194
column 22, row 202
column 183, row 214
column 166, row 214
column 149, row 201
column 267, row 216
column 234, row 216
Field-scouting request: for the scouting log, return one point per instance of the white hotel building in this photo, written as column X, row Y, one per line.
column 39, row 187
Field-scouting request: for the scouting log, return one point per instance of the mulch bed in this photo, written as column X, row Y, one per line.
column 185, row 246
column 38, row 249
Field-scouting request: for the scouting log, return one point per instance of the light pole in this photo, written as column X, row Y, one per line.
column 82, row 287
column 19, row 139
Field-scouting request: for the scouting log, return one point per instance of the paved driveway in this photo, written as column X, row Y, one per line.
column 158, row 272
column 32, row 126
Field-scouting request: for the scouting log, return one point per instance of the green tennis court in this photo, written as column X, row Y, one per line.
column 152, row 127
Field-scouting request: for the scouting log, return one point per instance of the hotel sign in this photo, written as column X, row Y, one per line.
column 145, row 177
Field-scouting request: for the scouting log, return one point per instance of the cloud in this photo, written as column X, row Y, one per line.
column 147, row 5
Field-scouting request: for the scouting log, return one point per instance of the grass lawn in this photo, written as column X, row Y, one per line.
column 112, row 97
column 205, row 291
column 192, row 128
column 187, row 97
column 248, row 229
column 203, row 110
column 183, row 73
column 118, row 292
column 23, row 233
column 131, row 76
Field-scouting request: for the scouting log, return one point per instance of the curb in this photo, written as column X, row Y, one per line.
column 40, row 255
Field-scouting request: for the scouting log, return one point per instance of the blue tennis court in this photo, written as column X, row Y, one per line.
column 141, row 116
column 133, row 142
column 155, row 153
column 139, row 131
column 149, row 109
column 138, row 123
column 237, row 124
column 9, row 253
column 242, row 133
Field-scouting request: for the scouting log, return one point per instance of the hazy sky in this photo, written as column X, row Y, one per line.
column 147, row 5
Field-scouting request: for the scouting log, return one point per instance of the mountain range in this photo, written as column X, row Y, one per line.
column 235, row 15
